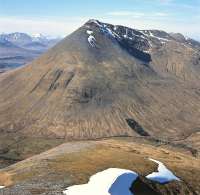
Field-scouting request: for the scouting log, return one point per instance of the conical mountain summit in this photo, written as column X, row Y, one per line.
column 105, row 80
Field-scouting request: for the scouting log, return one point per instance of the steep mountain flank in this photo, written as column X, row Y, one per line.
column 99, row 79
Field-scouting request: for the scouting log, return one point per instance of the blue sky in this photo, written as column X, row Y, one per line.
column 60, row 17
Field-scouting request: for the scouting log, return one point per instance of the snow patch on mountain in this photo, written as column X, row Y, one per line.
column 89, row 32
column 159, row 38
column 118, row 181
column 123, row 35
column 149, row 34
column 110, row 181
column 92, row 41
column 115, row 28
column 106, row 30
column 91, row 38
column 163, row 175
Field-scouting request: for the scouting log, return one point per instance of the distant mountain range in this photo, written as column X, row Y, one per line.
column 17, row 49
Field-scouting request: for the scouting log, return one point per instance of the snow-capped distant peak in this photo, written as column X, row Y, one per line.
column 37, row 35
column 16, row 36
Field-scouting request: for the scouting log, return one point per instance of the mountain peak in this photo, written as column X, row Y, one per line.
column 123, row 32
column 93, row 21
column 98, row 67
column 37, row 35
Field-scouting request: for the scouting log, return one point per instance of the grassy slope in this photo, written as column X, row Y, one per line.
column 14, row 148
column 73, row 163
